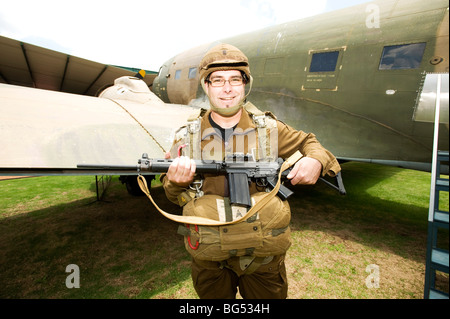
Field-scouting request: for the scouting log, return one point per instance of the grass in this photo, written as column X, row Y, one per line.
column 30, row 194
column 382, row 221
column 126, row 249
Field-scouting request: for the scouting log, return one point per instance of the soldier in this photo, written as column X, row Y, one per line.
column 224, row 73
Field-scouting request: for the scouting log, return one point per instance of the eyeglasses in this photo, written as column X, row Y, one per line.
column 219, row 82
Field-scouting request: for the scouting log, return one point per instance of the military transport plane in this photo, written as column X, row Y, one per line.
column 359, row 78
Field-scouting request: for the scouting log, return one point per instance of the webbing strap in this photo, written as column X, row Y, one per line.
column 252, row 109
column 258, row 261
column 195, row 220
column 193, row 132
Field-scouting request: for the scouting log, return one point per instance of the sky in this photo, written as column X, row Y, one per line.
column 145, row 33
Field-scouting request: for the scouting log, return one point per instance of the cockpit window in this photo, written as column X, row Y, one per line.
column 397, row 57
column 177, row 74
column 324, row 61
column 192, row 73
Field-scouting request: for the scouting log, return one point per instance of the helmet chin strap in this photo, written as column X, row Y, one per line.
column 229, row 111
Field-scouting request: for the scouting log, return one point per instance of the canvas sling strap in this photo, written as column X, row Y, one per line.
column 195, row 220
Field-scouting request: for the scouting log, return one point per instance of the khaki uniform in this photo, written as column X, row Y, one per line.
column 220, row 279
column 214, row 280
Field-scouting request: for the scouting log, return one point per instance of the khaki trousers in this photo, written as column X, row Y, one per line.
column 214, row 281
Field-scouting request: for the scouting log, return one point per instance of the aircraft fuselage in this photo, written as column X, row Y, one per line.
column 353, row 77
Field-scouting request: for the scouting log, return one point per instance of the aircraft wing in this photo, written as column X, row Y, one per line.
column 45, row 132
column 29, row 65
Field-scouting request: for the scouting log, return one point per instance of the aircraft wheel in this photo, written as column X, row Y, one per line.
column 132, row 184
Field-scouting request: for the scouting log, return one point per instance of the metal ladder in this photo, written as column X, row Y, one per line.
column 437, row 259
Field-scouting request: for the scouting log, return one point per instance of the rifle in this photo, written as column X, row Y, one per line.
column 240, row 170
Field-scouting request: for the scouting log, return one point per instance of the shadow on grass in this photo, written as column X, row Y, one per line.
column 123, row 247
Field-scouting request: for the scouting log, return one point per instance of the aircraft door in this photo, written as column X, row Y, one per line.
column 426, row 100
column 160, row 82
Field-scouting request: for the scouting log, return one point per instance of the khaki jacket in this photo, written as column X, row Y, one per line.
column 284, row 139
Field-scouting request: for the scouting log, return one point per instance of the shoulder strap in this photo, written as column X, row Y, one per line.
column 197, row 114
column 252, row 109
column 264, row 122
column 193, row 131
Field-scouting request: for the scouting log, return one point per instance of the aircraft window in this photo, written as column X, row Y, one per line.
column 397, row 57
column 177, row 74
column 324, row 61
column 192, row 73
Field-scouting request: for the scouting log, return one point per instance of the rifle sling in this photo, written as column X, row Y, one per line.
column 195, row 220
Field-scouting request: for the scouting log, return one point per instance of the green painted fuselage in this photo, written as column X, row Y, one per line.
column 353, row 77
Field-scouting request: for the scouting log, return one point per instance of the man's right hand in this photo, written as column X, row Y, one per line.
column 181, row 172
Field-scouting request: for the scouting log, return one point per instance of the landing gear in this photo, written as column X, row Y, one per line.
column 132, row 185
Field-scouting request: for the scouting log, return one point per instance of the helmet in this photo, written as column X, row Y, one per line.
column 223, row 57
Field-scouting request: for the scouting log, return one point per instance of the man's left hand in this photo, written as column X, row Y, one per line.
column 305, row 172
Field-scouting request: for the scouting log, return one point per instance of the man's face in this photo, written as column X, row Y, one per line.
column 228, row 95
